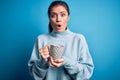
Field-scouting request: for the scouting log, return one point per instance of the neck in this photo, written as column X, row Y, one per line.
column 61, row 34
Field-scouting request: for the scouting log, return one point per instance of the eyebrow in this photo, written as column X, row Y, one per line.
column 59, row 12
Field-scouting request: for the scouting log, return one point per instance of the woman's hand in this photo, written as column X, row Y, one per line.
column 44, row 52
column 56, row 62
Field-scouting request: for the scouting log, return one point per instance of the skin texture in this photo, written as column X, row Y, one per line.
column 59, row 19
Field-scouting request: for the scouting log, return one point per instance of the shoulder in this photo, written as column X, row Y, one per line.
column 79, row 36
column 81, row 39
column 43, row 36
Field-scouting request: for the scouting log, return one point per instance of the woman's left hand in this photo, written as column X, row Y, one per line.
column 56, row 62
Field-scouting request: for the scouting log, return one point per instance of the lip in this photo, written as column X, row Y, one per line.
column 58, row 26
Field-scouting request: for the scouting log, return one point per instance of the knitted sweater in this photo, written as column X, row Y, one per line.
column 78, row 64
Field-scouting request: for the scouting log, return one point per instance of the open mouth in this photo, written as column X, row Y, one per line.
column 59, row 25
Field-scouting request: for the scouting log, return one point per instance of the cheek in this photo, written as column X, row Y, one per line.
column 52, row 21
column 66, row 21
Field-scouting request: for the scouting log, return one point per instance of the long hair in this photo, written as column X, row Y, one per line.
column 56, row 3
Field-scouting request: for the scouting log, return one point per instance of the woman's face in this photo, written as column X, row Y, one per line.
column 59, row 18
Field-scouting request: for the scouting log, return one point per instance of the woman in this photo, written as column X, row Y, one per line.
column 75, row 63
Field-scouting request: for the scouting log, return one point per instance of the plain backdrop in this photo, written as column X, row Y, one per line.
column 21, row 21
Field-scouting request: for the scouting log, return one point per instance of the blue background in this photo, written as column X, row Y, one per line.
column 21, row 21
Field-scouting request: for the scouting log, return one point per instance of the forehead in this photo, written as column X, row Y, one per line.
column 58, row 8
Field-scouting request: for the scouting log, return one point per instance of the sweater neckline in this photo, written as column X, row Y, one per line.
column 64, row 33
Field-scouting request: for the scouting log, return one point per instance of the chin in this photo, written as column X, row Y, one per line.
column 60, row 30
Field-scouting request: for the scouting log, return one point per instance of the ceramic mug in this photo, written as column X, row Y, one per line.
column 56, row 51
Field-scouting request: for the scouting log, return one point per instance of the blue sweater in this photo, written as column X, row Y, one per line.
column 78, row 64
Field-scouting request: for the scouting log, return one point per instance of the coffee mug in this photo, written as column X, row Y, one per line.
column 56, row 51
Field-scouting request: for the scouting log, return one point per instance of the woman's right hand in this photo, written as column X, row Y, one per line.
column 44, row 52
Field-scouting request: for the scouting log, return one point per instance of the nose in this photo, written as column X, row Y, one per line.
column 58, row 19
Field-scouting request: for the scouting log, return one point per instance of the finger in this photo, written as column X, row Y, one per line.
column 44, row 51
column 58, row 65
column 44, row 48
column 52, row 62
column 59, row 60
column 45, row 56
column 48, row 46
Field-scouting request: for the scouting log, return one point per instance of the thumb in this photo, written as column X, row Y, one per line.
column 48, row 47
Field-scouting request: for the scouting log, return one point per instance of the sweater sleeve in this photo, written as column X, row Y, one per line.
column 83, row 68
column 37, row 66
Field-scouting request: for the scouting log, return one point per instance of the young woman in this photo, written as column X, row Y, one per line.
column 75, row 63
